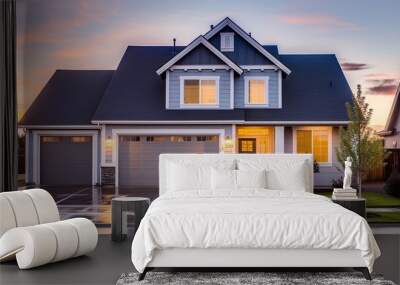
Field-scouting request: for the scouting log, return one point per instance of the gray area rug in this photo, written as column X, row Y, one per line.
column 229, row 278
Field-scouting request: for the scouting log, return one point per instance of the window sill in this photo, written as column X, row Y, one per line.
column 260, row 106
column 210, row 106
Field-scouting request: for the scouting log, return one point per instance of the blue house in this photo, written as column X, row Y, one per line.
column 223, row 92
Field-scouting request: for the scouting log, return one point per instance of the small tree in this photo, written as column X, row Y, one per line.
column 356, row 139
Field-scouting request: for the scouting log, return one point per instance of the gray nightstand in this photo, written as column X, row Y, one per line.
column 356, row 205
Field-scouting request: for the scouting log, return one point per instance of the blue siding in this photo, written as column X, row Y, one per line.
column 273, row 91
column 224, row 86
column 200, row 55
column 244, row 53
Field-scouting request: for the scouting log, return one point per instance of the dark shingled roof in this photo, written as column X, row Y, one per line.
column 70, row 97
column 137, row 93
column 316, row 90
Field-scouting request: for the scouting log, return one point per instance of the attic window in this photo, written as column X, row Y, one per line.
column 227, row 42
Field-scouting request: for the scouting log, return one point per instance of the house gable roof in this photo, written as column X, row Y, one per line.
column 199, row 40
column 316, row 91
column 138, row 94
column 393, row 115
column 70, row 97
column 228, row 22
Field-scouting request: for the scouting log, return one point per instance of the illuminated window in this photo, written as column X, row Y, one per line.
column 181, row 138
column 48, row 139
column 80, row 139
column 264, row 138
column 156, row 139
column 207, row 138
column 130, row 138
column 315, row 141
column 200, row 91
column 256, row 90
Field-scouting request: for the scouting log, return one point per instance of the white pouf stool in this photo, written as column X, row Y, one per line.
column 31, row 230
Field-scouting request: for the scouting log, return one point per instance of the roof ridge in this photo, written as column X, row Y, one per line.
column 65, row 69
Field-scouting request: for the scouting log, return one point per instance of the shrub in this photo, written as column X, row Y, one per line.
column 316, row 167
column 392, row 184
column 337, row 183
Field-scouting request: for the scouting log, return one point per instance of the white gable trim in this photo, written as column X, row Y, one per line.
column 199, row 67
column 250, row 40
column 167, row 90
column 190, row 47
column 395, row 106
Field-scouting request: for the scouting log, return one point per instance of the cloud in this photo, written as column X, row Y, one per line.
column 382, row 75
column 354, row 66
column 67, row 19
column 386, row 86
column 316, row 20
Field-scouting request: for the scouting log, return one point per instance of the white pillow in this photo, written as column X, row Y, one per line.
column 282, row 174
column 193, row 174
column 223, row 179
column 183, row 178
column 251, row 178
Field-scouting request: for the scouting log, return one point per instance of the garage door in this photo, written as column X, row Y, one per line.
column 66, row 160
column 138, row 155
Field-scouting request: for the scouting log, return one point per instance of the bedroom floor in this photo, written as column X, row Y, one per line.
column 110, row 260
column 103, row 266
column 106, row 264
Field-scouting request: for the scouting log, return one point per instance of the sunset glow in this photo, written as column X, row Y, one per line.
column 93, row 34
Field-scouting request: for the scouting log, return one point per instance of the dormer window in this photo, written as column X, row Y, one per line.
column 256, row 91
column 201, row 91
column 227, row 42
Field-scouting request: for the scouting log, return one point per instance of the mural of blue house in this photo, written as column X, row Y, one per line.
column 223, row 92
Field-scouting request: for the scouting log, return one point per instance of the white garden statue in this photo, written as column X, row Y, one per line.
column 347, row 173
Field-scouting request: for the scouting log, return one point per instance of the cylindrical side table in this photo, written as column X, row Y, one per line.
column 121, row 208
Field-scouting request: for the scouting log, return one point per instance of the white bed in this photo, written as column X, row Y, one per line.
column 280, row 225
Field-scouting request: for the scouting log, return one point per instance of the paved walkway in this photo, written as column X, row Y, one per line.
column 383, row 210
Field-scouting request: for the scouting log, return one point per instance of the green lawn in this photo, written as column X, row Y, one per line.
column 377, row 200
column 374, row 200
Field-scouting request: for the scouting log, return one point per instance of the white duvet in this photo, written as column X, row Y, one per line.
column 250, row 219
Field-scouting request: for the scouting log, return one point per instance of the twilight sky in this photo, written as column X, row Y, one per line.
column 93, row 34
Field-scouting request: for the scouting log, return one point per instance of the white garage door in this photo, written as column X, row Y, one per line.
column 138, row 155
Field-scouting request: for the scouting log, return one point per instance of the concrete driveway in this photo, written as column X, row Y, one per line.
column 92, row 202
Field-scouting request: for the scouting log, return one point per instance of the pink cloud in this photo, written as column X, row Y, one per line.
column 317, row 20
column 386, row 86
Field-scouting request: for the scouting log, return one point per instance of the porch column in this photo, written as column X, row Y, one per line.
column 279, row 139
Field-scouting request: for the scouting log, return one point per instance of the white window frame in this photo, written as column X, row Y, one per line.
column 247, row 103
column 183, row 105
column 222, row 43
column 315, row 128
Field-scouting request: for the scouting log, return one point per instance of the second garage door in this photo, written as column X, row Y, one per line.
column 138, row 155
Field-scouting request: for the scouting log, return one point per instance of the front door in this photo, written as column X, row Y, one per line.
column 247, row 145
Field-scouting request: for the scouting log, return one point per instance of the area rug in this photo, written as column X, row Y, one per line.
column 243, row 278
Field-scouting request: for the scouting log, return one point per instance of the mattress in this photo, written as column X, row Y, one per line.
column 250, row 219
